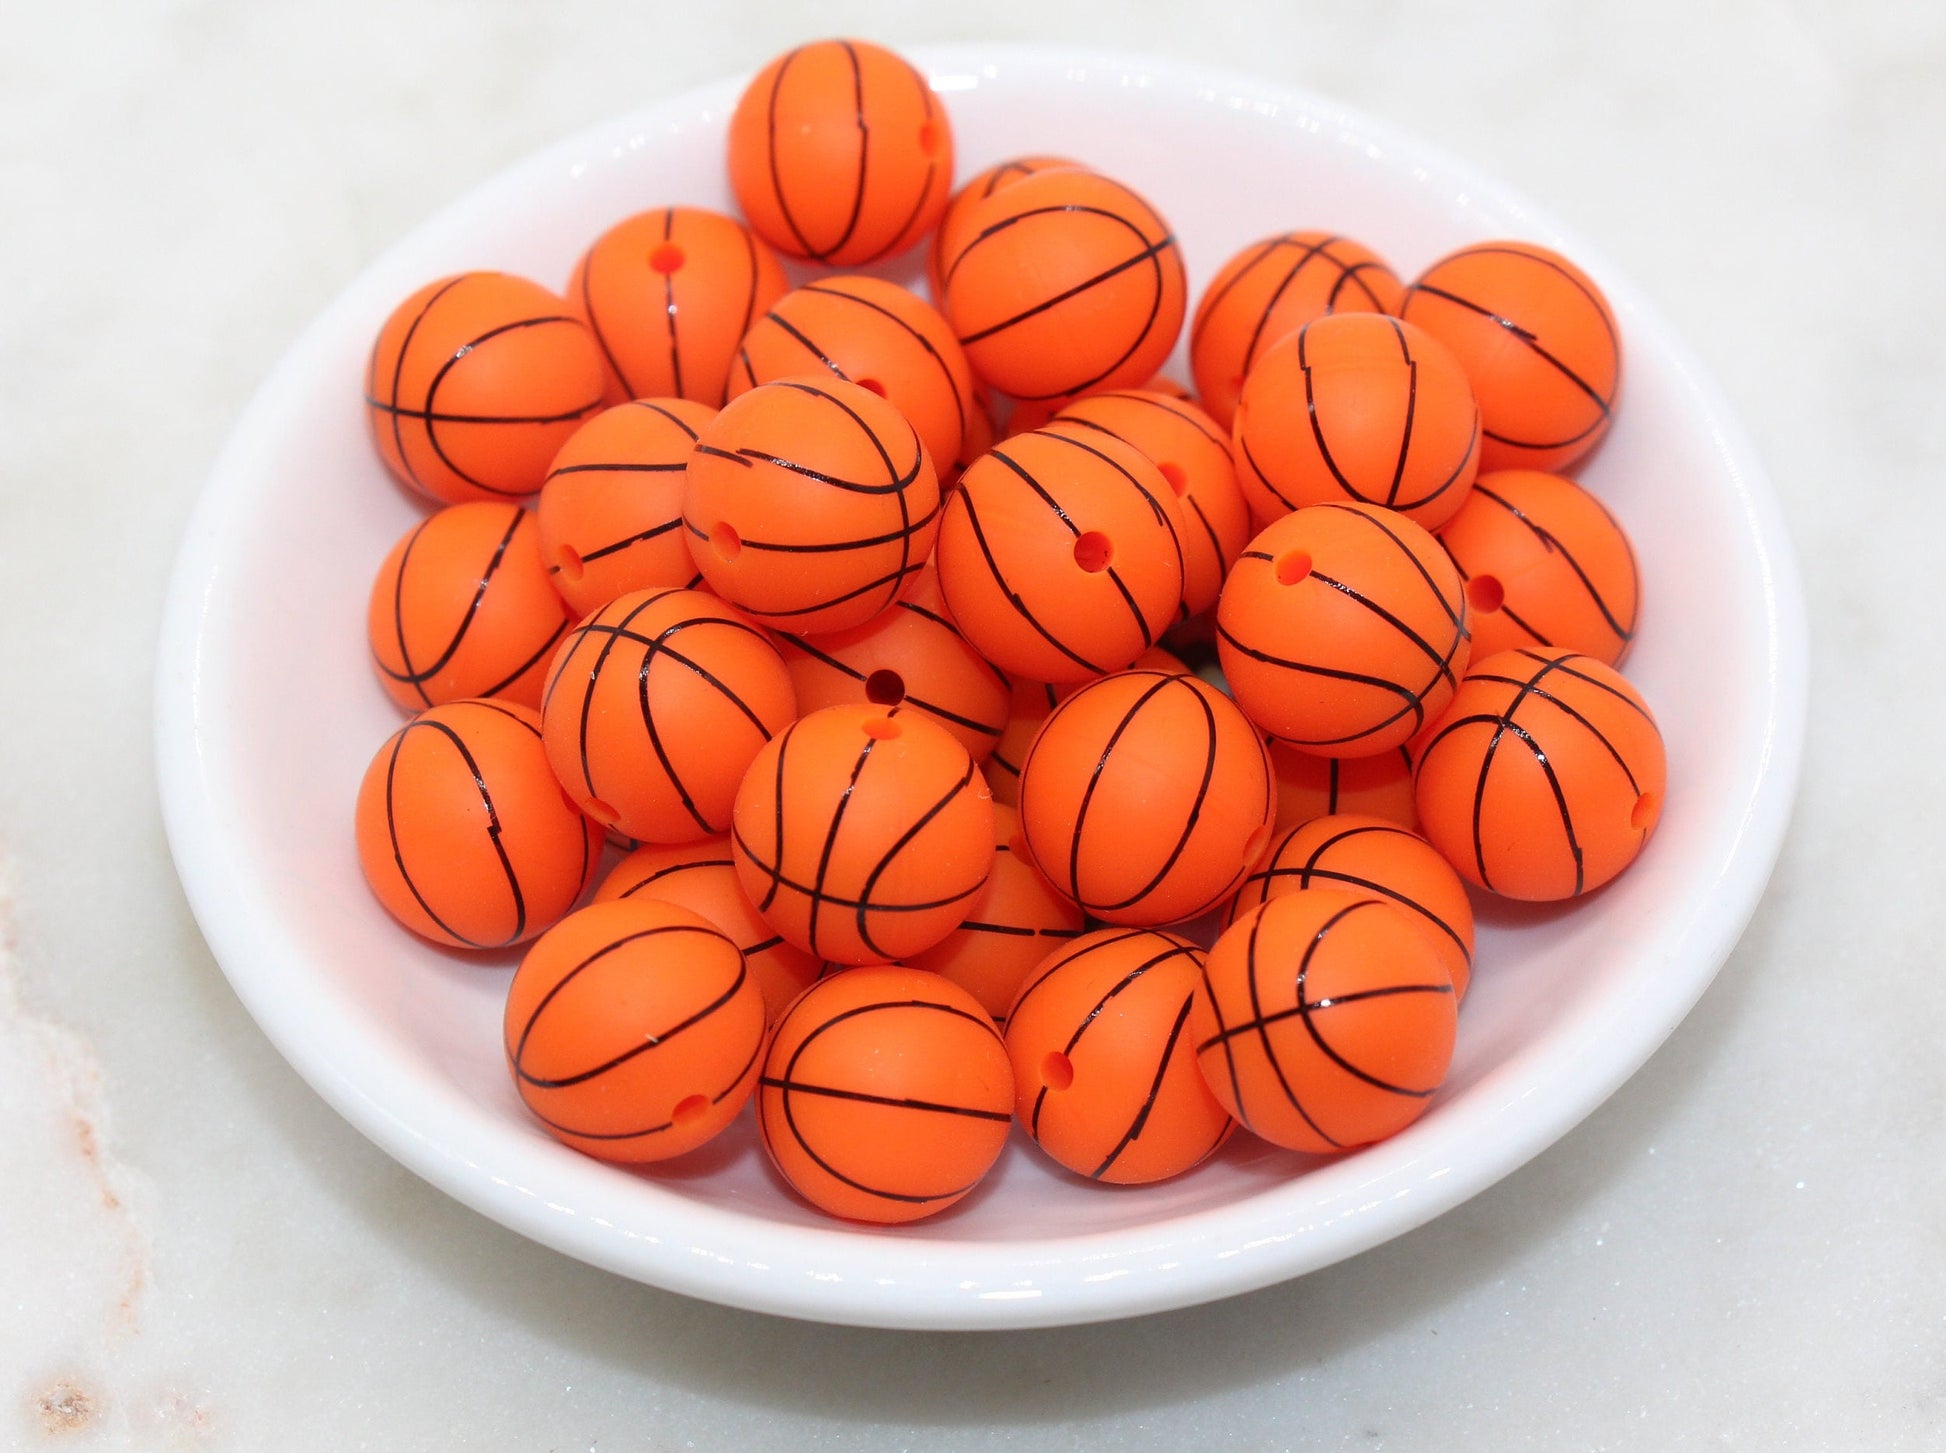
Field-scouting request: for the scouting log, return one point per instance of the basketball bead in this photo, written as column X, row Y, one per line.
column 840, row 154
column 1193, row 456
column 1545, row 565
column 1067, row 281
column 950, row 235
column 810, row 503
column 1376, row 786
column 463, row 832
column 1012, row 924
column 877, row 335
column 1027, row 709
column 475, row 382
column 1324, row 1021
column 1145, row 797
column 1369, row 857
column 610, row 509
column 668, row 295
column 863, row 833
column 1539, row 342
column 1268, row 291
column 655, row 706
column 886, row 1095
column 1061, row 558
column 1342, row 630
column 912, row 655
column 701, row 876
column 1358, row 407
column 633, row 1030
column 1545, row 776
column 462, row 607
column 1105, row 1074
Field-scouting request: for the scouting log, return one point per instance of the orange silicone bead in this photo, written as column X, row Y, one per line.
column 1105, row 1074
column 701, row 876
column 863, row 833
column 1268, row 291
column 1369, row 857
column 1028, row 708
column 463, row 832
column 654, row 707
column 886, row 1095
column 1324, row 1021
column 668, row 295
column 911, row 655
column 1012, row 924
column 475, row 382
column 950, row 236
column 840, row 154
column 1545, row 565
column 879, row 336
column 462, row 607
column 1376, row 786
column 633, row 1030
column 810, row 503
column 1545, row 776
column 1067, row 281
column 610, row 510
column 1060, row 557
column 1342, row 629
column 1358, row 407
column 1146, row 796
column 1539, row 342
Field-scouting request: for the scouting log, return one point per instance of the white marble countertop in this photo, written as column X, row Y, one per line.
column 1745, row 1248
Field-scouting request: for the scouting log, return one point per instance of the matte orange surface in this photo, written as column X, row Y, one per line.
column 810, row 503
column 654, row 707
column 1342, row 629
column 633, row 1030
column 840, row 153
column 886, row 1094
column 1545, row 776
column 1325, row 1021
column 1027, row 709
column 463, row 832
column 610, row 510
column 462, row 607
column 1146, row 796
column 1105, row 1074
column 951, row 234
column 1309, row 786
column 475, row 382
column 668, row 295
column 1539, row 341
column 863, row 833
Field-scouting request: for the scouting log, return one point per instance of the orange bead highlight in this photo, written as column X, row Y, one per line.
column 1342, row 630
column 811, row 504
column 633, row 1030
column 1545, row 776
column 1268, row 291
column 475, row 382
column 1376, row 786
column 1539, row 342
column 863, row 833
column 840, row 154
column 1324, row 1021
column 464, row 834
column 668, row 295
column 1545, row 565
column 654, row 707
column 1105, row 1074
column 1146, row 796
column 610, row 510
column 462, row 607
column 886, row 1095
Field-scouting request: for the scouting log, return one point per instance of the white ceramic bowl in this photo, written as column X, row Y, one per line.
column 267, row 712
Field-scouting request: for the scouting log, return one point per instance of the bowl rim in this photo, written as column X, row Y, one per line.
column 726, row 1256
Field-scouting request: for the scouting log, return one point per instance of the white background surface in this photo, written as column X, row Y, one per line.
column 1743, row 1249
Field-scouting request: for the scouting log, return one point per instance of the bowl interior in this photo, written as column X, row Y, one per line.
column 269, row 712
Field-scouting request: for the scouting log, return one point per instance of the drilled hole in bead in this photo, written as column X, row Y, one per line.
column 882, row 729
column 725, row 541
column 689, row 1110
column 1174, row 473
column 1648, row 807
column 1485, row 594
column 666, row 258
column 1057, row 1071
column 885, row 688
column 1293, row 567
column 568, row 561
column 872, row 386
column 1093, row 552
column 929, row 139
